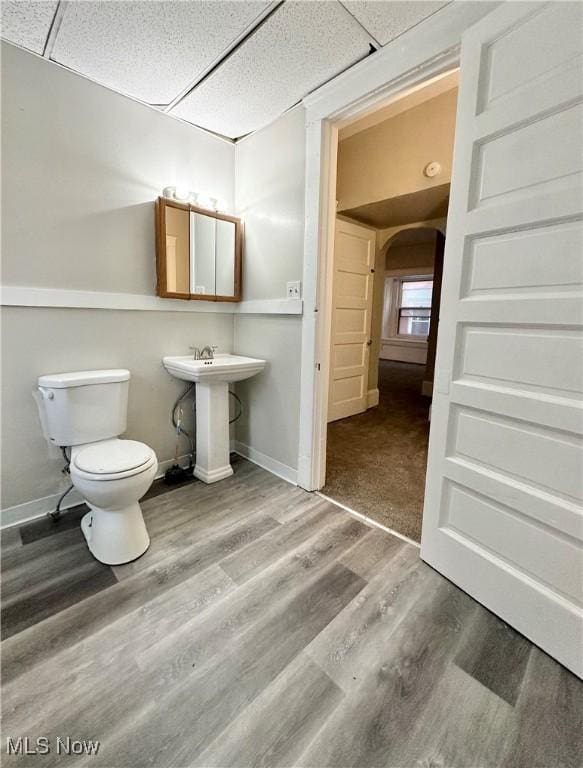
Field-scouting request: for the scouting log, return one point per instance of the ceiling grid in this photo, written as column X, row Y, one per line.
column 228, row 66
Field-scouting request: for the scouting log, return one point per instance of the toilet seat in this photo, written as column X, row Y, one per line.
column 113, row 460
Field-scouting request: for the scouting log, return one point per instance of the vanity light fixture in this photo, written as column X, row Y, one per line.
column 182, row 194
column 200, row 199
column 206, row 201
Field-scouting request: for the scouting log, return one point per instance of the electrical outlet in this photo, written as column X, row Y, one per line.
column 294, row 289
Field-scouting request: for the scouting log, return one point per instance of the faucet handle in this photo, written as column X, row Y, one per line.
column 196, row 351
column 214, row 348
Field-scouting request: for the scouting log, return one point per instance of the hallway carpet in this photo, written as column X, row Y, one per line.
column 376, row 461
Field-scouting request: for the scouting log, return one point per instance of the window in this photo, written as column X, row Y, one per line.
column 407, row 308
column 414, row 307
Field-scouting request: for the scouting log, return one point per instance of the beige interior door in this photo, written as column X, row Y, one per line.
column 354, row 257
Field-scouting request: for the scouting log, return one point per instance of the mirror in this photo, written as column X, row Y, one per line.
column 203, row 254
column 198, row 253
column 177, row 258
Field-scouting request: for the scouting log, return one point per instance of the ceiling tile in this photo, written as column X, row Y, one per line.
column 390, row 18
column 150, row 50
column 301, row 46
column 27, row 23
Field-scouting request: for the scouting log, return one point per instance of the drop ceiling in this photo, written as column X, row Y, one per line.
column 229, row 66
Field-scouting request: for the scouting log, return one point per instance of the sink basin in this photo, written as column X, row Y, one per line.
column 222, row 369
column 212, row 379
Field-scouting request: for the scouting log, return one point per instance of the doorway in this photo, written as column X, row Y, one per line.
column 386, row 279
column 376, row 461
column 505, row 449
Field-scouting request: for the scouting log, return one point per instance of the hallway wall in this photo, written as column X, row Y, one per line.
column 388, row 159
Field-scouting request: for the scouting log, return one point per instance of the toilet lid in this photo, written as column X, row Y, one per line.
column 109, row 459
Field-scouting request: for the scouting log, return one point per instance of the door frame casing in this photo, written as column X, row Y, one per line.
column 427, row 51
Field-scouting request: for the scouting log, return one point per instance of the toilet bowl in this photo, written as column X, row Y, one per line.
column 112, row 475
column 86, row 411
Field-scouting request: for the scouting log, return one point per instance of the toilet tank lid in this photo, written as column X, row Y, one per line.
column 83, row 378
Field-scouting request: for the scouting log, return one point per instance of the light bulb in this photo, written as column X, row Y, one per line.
column 205, row 201
column 182, row 194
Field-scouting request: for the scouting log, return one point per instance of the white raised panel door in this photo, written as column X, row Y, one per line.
column 503, row 515
column 354, row 258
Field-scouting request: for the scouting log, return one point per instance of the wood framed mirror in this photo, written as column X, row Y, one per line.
column 198, row 253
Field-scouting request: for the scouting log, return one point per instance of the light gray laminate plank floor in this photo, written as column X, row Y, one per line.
column 268, row 627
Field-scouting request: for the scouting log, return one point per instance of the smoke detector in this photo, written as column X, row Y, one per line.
column 432, row 169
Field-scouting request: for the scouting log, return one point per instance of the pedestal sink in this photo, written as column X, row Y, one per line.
column 212, row 379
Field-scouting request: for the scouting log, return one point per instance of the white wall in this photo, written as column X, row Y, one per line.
column 404, row 351
column 268, row 431
column 81, row 168
column 270, row 198
column 43, row 340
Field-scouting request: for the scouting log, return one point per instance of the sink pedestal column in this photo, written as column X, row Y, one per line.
column 212, row 432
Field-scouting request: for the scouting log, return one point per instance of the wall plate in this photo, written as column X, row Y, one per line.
column 294, row 290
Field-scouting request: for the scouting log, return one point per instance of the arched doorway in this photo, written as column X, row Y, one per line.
column 407, row 326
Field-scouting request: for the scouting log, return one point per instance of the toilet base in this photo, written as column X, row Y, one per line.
column 115, row 537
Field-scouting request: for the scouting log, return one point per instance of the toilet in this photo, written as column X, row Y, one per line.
column 86, row 411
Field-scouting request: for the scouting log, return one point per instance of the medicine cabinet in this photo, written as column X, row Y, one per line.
column 198, row 253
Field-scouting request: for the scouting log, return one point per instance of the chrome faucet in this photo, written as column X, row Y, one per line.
column 206, row 353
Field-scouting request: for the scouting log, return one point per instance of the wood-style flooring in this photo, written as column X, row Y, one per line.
column 267, row 627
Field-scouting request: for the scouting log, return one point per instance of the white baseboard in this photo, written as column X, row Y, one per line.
column 372, row 398
column 266, row 462
column 37, row 508
column 32, row 510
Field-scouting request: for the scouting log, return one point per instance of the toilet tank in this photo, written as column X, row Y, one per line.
column 83, row 407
